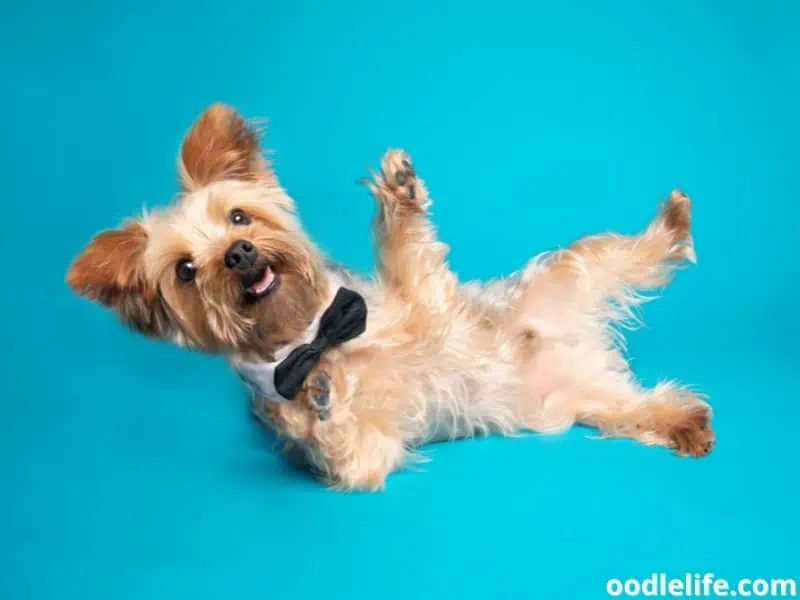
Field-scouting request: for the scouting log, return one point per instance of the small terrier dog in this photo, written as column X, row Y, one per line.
column 227, row 269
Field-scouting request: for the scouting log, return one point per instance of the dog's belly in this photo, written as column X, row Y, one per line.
column 460, row 379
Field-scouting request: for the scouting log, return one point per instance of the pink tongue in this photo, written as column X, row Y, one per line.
column 261, row 285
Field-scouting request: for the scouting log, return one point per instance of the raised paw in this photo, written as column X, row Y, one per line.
column 692, row 436
column 399, row 175
column 318, row 393
column 397, row 185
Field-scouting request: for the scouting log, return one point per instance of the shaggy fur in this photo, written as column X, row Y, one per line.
column 440, row 359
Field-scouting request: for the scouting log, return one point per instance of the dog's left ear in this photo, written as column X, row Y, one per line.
column 221, row 145
column 110, row 271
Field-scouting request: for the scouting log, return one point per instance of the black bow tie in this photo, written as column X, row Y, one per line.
column 343, row 320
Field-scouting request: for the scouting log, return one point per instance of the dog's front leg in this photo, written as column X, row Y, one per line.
column 411, row 260
column 346, row 437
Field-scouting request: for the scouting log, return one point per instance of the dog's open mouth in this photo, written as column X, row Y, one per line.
column 264, row 283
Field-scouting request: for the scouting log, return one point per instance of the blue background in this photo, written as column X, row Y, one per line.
column 130, row 469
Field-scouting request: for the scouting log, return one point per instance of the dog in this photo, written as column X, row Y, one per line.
column 227, row 269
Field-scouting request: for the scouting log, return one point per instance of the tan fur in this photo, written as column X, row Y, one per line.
column 440, row 359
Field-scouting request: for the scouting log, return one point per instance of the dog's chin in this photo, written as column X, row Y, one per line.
column 264, row 285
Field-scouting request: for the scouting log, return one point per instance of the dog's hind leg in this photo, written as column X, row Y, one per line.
column 610, row 401
column 667, row 415
column 411, row 260
column 598, row 276
column 643, row 261
column 568, row 301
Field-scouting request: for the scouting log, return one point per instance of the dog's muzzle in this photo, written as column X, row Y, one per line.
column 253, row 270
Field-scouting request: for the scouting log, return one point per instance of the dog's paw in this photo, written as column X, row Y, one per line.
column 692, row 435
column 317, row 391
column 397, row 185
column 677, row 218
column 399, row 176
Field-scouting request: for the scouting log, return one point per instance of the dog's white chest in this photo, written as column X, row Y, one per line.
column 260, row 378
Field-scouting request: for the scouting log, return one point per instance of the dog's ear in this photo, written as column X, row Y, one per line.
column 221, row 145
column 110, row 271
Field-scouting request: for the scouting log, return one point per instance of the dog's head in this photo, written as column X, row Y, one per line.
column 226, row 267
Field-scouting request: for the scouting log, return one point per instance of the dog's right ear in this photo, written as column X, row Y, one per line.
column 221, row 145
column 110, row 271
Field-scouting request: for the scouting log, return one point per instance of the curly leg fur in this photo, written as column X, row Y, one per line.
column 411, row 260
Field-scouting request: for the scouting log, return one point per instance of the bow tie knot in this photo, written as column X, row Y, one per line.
column 343, row 320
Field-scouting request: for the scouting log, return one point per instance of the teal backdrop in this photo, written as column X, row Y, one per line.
column 131, row 470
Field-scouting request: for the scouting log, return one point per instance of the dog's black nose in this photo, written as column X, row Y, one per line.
column 241, row 255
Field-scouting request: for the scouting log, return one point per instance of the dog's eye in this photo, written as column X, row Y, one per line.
column 239, row 217
column 185, row 270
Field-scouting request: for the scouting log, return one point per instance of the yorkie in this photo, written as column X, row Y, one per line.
column 357, row 373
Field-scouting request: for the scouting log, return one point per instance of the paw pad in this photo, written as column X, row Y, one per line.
column 399, row 175
column 319, row 393
column 693, row 436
